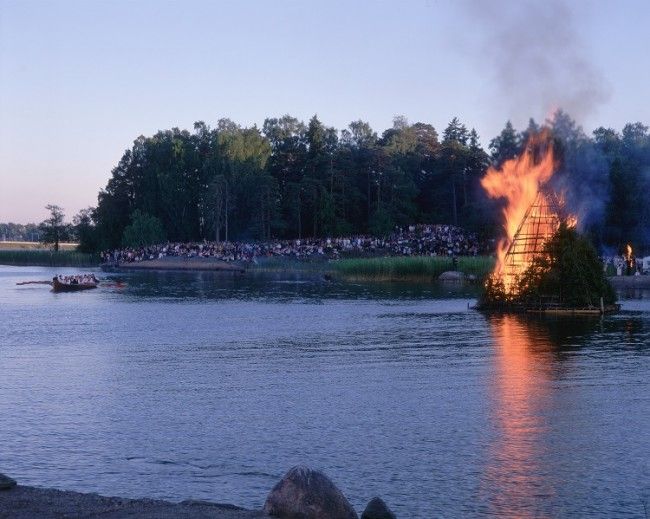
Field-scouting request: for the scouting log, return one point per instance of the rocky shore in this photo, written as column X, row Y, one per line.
column 302, row 493
column 22, row 502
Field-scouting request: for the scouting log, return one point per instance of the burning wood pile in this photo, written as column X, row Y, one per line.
column 630, row 260
column 540, row 233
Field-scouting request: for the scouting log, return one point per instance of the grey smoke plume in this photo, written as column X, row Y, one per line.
column 537, row 63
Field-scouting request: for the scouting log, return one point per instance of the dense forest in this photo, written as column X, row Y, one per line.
column 291, row 180
column 295, row 180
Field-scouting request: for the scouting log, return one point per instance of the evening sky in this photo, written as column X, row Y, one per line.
column 80, row 80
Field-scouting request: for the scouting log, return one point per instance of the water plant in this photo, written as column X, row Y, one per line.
column 48, row 258
column 410, row 268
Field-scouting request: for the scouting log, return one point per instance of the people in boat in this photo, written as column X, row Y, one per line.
column 80, row 279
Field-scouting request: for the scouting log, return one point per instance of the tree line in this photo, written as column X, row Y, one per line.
column 54, row 230
column 19, row 232
column 289, row 179
column 292, row 180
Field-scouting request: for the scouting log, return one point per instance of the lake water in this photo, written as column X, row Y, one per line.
column 205, row 386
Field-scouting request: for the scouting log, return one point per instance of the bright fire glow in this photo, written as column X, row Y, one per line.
column 628, row 255
column 528, row 213
column 523, row 364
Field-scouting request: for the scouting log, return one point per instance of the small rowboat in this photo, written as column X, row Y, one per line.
column 57, row 286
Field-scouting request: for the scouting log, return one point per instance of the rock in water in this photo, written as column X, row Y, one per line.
column 304, row 493
column 6, row 482
column 377, row 509
column 452, row 276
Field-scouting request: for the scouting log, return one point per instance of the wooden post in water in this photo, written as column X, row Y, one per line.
column 602, row 305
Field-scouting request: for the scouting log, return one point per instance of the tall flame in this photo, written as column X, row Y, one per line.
column 518, row 181
column 629, row 260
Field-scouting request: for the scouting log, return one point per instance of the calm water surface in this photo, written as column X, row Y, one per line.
column 202, row 386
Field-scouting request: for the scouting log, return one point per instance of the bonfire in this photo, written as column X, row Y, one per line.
column 538, row 232
column 630, row 261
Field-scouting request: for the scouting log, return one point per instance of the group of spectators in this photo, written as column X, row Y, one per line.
column 414, row 240
column 80, row 279
column 625, row 266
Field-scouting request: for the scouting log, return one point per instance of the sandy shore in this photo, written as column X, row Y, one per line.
column 178, row 263
column 23, row 502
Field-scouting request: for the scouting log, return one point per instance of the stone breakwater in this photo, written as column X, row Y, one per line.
column 302, row 493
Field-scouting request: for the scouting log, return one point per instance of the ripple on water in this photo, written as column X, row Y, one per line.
column 188, row 385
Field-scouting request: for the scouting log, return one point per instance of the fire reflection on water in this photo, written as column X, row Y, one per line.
column 521, row 401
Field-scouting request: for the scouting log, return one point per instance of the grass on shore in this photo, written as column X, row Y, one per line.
column 48, row 258
column 289, row 264
column 410, row 268
column 33, row 245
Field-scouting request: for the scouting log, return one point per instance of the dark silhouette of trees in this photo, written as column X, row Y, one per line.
column 83, row 230
column 143, row 230
column 297, row 180
column 506, row 145
column 53, row 229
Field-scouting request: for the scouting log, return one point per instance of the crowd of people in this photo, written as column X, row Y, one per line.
column 626, row 266
column 414, row 240
column 80, row 279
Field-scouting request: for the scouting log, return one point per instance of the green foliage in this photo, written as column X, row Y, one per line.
column 295, row 180
column 84, row 231
column 623, row 183
column 381, row 223
column 62, row 258
column 288, row 264
column 143, row 230
column 292, row 180
column 53, row 229
column 506, row 145
column 570, row 273
column 623, row 212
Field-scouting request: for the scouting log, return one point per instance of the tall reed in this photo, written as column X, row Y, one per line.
column 47, row 258
column 289, row 264
column 410, row 268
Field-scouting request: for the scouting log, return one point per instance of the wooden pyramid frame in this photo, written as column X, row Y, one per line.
column 541, row 221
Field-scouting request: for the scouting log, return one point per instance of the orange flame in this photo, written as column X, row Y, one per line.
column 519, row 181
column 628, row 256
column 523, row 353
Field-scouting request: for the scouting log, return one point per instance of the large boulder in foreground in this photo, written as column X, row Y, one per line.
column 6, row 482
column 377, row 509
column 304, row 493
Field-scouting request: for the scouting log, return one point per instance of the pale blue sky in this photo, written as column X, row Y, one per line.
column 80, row 80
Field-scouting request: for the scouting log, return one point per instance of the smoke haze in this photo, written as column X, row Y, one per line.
column 532, row 53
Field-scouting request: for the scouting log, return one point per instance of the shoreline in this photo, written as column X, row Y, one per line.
column 176, row 263
column 25, row 502
column 620, row 282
